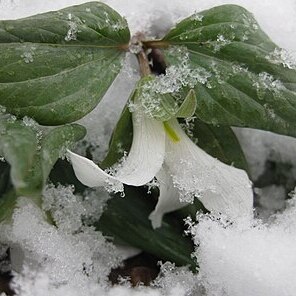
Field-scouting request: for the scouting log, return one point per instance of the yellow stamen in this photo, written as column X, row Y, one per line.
column 170, row 132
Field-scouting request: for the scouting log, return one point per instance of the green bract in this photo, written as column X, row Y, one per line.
column 55, row 67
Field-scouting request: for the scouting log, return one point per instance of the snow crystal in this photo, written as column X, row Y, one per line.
column 283, row 57
column 71, row 211
column 28, row 55
column 73, row 29
column 177, row 76
column 178, row 280
column 197, row 17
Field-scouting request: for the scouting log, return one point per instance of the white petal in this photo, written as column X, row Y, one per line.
column 87, row 172
column 147, row 152
column 220, row 187
column 168, row 199
column 143, row 162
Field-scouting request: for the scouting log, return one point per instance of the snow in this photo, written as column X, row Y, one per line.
column 240, row 260
column 235, row 259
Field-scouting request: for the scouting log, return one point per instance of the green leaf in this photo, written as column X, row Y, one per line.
column 188, row 107
column 5, row 183
column 240, row 76
column 121, row 139
column 19, row 147
column 220, row 142
column 55, row 67
column 55, row 143
column 7, row 204
column 126, row 219
column 160, row 101
column 31, row 153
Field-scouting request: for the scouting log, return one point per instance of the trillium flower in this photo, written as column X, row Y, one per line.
column 184, row 171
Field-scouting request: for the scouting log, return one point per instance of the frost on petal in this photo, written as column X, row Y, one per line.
column 220, row 187
column 168, row 199
column 143, row 162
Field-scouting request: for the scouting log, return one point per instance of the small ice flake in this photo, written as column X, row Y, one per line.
column 28, row 55
column 220, row 42
column 197, row 17
column 255, row 26
column 72, row 32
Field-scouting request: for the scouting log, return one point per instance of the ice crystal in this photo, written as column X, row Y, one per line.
column 28, row 55
column 283, row 57
column 73, row 28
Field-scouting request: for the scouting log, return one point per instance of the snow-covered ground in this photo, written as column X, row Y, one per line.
column 241, row 259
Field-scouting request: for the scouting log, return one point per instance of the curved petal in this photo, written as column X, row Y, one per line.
column 220, row 187
column 147, row 151
column 143, row 162
column 87, row 172
column 168, row 199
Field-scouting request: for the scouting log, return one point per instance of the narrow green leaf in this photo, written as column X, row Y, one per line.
column 241, row 77
column 55, row 67
column 121, row 139
column 160, row 101
column 55, row 144
column 126, row 219
column 5, row 182
column 19, row 147
column 7, row 204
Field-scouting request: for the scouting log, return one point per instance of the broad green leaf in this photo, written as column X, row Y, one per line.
column 126, row 219
column 55, row 67
column 31, row 153
column 55, row 144
column 239, row 75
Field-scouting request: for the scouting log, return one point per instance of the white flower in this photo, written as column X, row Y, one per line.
column 184, row 171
